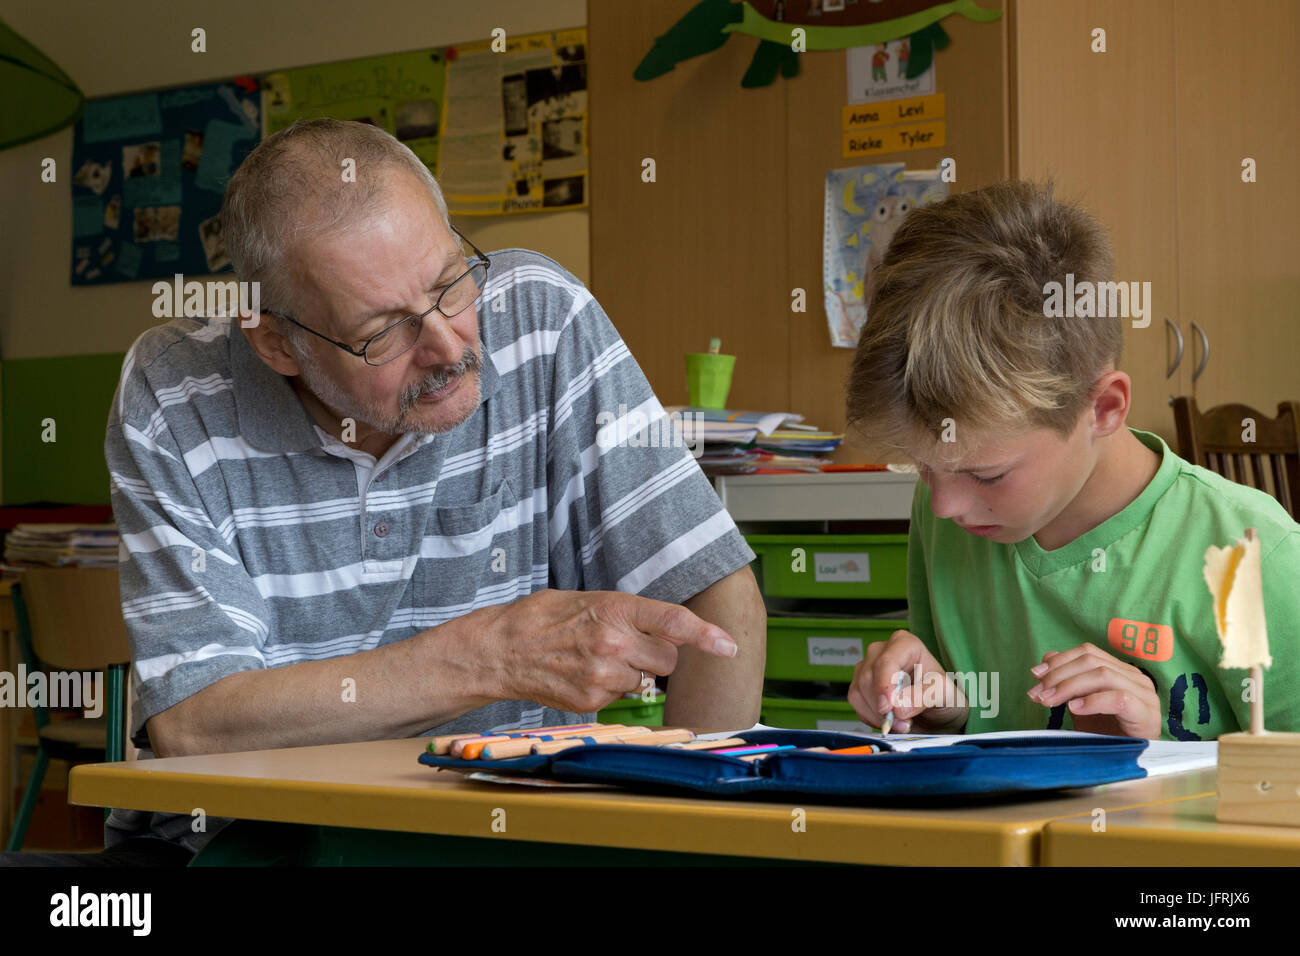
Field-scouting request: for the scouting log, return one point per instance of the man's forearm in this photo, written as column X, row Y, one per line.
column 713, row 693
column 399, row 690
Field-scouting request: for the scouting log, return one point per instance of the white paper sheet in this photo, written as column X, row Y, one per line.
column 1160, row 757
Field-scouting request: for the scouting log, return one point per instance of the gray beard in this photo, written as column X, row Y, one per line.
column 329, row 394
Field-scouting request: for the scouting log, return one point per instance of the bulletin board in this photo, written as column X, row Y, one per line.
column 401, row 93
column 516, row 136
column 502, row 123
column 148, row 175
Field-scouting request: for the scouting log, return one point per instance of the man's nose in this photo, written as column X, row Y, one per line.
column 439, row 343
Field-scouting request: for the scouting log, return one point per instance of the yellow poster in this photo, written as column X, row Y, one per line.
column 515, row 125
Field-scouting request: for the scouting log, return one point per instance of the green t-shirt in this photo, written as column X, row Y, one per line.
column 1133, row 586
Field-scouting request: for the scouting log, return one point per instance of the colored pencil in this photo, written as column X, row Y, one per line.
column 749, row 748
column 653, row 739
column 711, row 744
column 473, row 749
column 442, row 744
column 504, row 749
column 764, row 753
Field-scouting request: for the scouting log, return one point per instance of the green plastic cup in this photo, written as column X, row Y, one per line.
column 708, row 379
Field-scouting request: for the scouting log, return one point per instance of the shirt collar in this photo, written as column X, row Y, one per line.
column 1113, row 528
column 273, row 418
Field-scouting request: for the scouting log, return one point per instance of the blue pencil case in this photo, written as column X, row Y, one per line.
column 973, row 767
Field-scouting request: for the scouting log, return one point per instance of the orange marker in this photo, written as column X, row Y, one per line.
column 522, row 746
column 472, row 750
column 457, row 746
column 868, row 749
column 443, row 744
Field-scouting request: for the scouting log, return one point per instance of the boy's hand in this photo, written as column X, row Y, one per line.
column 875, row 688
column 1106, row 695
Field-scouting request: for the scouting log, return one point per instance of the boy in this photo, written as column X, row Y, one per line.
column 1049, row 543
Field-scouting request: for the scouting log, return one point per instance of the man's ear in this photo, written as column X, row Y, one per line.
column 1112, row 399
column 269, row 345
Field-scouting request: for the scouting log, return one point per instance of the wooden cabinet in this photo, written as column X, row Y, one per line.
column 1237, row 96
column 1150, row 136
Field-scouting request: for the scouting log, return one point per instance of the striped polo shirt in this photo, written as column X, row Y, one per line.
column 251, row 538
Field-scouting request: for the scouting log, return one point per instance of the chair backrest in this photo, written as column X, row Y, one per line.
column 1214, row 439
column 75, row 616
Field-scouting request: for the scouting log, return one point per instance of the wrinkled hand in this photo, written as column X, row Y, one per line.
column 578, row 651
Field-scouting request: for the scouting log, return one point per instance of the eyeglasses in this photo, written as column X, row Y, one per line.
column 400, row 337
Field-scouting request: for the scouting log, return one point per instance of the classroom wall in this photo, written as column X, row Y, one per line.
column 734, row 220
column 134, row 46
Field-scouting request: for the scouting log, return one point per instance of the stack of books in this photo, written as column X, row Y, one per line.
column 749, row 442
column 87, row 546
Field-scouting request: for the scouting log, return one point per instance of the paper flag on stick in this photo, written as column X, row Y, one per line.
column 1236, row 585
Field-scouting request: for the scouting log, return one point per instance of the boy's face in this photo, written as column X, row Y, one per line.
column 1009, row 488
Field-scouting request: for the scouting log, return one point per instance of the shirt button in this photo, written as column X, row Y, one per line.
column 381, row 529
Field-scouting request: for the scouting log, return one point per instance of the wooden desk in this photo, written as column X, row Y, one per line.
column 379, row 785
column 1182, row 833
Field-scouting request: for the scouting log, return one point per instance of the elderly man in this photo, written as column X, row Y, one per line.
column 381, row 507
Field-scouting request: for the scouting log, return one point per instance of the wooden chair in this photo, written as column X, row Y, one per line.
column 70, row 619
column 1271, row 463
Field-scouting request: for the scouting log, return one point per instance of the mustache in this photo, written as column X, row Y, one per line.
column 469, row 362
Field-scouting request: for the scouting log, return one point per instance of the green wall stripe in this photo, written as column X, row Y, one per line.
column 77, row 392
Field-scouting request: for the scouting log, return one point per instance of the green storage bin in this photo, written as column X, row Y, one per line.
column 821, row 649
column 832, row 565
column 811, row 715
column 633, row 711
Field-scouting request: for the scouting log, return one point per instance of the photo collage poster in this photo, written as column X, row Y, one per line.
column 516, row 133
column 502, row 124
column 149, row 174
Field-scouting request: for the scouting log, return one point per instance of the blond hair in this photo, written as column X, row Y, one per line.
column 956, row 330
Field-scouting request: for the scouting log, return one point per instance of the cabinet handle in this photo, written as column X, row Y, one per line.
column 1205, row 351
column 1178, row 359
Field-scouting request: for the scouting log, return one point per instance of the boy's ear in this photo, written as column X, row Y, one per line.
column 1112, row 398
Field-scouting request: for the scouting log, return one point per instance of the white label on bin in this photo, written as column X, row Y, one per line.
column 834, row 651
column 844, row 726
column 840, row 566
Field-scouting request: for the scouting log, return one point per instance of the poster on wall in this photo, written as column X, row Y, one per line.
column 148, row 175
column 401, row 93
column 879, row 72
column 516, row 133
column 864, row 206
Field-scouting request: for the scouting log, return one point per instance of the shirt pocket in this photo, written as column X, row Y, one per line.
column 460, row 576
column 468, row 529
